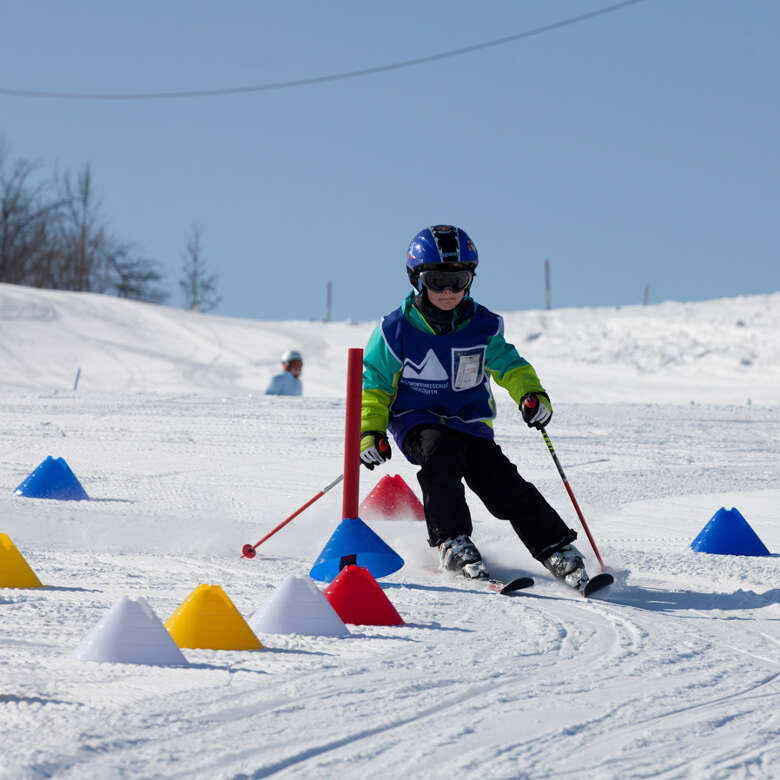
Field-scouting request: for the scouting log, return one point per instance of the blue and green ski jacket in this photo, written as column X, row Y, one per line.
column 413, row 376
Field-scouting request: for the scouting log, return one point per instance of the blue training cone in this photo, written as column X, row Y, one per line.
column 728, row 533
column 52, row 479
column 354, row 542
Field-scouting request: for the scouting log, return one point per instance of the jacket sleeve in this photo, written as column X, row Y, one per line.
column 381, row 372
column 508, row 369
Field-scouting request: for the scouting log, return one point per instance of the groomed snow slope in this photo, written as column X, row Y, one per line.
column 724, row 351
column 673, row 673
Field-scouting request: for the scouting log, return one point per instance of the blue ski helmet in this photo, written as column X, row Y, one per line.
column 441, row 247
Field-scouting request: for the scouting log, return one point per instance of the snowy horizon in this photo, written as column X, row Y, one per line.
column 663, row 414
column 720, row 351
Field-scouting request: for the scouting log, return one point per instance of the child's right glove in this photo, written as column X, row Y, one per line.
column 536, row 410
column 374, row 449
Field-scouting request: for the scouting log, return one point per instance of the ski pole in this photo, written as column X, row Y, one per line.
column 571, row 495
column 250, row 550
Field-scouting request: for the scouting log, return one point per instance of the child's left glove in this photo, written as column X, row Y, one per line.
column 536, row 410
column 374, row 449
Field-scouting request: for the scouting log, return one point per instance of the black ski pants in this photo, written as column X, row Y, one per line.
column 446, row 457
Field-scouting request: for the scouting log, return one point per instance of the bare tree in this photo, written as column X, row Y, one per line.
column 52, row 234
column 197, row 284
column 85, row 244
column 94, row 260
column 132, row 276
column 27, row 224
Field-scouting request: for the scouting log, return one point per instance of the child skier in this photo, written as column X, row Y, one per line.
column 426, row 378
column 288, row 382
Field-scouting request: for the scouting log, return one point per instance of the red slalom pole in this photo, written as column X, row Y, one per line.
column 249, row 550
column 352, row 433
column 571, row 495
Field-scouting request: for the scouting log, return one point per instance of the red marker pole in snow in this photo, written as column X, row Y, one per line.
column 352, row 433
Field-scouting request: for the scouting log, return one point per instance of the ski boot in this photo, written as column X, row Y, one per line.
column 460, row 554
column 567, row 564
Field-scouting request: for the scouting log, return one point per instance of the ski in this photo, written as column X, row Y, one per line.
column 597, row 583
column 506, row 588
column 503, row 587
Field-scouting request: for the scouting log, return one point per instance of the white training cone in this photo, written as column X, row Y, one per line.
column 297, row 606
column 130, row 633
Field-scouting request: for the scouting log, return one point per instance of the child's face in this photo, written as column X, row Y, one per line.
column 295, row 367
column 445, row 300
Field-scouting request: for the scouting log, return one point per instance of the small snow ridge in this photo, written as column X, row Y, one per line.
column 26, row 310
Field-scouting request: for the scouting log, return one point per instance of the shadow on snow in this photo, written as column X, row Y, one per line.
column 657, row 600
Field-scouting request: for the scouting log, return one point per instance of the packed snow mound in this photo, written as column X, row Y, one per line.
column 740, row 331
column 721, row 351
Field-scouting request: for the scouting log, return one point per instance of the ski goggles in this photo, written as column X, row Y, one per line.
column 439, row 281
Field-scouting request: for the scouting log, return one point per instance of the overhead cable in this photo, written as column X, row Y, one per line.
column 305, row 82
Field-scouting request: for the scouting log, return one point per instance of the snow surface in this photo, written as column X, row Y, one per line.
column 663, row 414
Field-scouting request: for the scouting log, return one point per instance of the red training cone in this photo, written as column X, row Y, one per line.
column 391, row 499
column 358, row 599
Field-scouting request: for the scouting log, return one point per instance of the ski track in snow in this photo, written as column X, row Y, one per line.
column 673, row 672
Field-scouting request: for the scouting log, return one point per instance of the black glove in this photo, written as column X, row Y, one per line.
column 374, row 449
column 536, row 410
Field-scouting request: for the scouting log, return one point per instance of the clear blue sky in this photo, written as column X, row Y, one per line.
column 639, row 147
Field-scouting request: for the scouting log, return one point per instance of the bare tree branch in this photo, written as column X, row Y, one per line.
column 198, row 286
column 53, row 235
column 27, row 221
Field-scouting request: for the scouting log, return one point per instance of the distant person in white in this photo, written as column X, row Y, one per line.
column 288, row 382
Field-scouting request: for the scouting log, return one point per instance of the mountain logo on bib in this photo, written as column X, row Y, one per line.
column 430, row 370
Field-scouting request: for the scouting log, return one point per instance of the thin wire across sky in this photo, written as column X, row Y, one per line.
column 325, row 79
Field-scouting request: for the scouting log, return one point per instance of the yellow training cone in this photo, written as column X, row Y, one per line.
column 15, row 572
column 208, row 620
